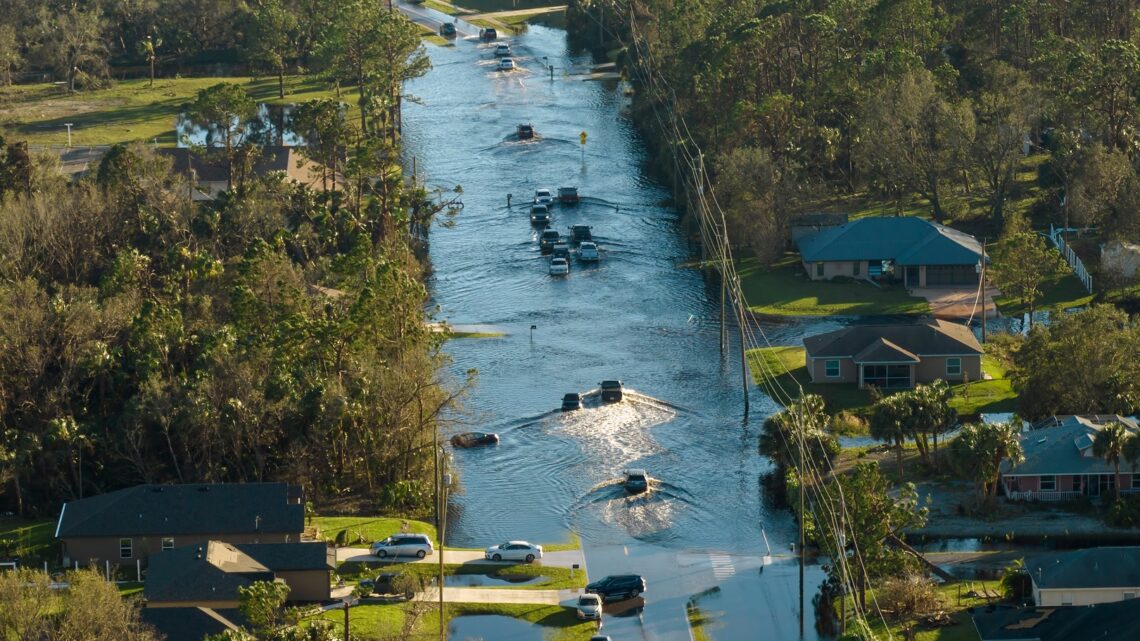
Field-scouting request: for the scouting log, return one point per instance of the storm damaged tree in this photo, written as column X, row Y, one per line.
column 1023, row 262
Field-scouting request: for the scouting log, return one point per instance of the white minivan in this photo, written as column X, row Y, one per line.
column 418, row 545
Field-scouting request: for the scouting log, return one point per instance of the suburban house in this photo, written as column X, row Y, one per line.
column 210, row 574
column 129, row 525
column 1059, row 464
column 209, row 174
column 894, row 356
column 916, row 251
column 1107, row 622
column 192, row 624
column 1086, row 577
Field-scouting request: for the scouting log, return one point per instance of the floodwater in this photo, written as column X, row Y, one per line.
column 639, row 315
column 481, row 627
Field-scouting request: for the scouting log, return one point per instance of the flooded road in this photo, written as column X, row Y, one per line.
column 638, row 316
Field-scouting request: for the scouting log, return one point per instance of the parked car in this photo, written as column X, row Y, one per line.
column 543, row 197
column 611, row 391
column 571, row 402
column 403, row 545
column 514, row 551
column 562, row 250
column 636, row 481
column 590, row 607
column 447, row 30
column 525, row 132
column 539, row 215
column 601, row 637
column 617, row 587
column 474, row 439
column 506, row 64
column 502, row 49
column 568, row 195
column 559, row 267
column 580, row 233
column 488, row 34
column 549, row 239
column 588, row 253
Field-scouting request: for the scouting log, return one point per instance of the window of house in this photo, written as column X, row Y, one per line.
column 126, row 549
column 1129, row 595
column 1136, row 482
column 819, row 270
column 1048, row 483
column 954, row 366
column 831, row 368
column 167, row 543
column 856, row 267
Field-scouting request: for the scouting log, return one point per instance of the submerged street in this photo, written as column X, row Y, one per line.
column 639, row 315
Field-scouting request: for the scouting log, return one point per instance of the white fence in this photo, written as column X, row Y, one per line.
column 1071, row 257
column 1043, row 496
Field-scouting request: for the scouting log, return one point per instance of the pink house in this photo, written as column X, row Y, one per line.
column 1059, row 463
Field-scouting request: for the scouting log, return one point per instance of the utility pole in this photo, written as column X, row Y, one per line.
column 983, row 285
column 843, row 576
column 445, row 482
column 803, row 490
column 743, row 354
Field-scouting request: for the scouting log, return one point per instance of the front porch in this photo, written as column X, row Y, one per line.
column 1068, row 487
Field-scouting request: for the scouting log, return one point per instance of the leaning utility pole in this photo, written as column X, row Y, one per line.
column 743, row 353
column 803, row 490
column 983, row 286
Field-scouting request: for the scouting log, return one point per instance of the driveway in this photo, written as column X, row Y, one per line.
column 561, row 559
column 955, row 303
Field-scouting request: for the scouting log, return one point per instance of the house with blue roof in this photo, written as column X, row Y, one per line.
column 1060, row 464
column 915, row 251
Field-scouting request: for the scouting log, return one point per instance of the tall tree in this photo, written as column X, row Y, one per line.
column 1004, row 113
column 980, row 450
column 1110, row 444
column 1022, row 263
column 72, row 41
column 274, row 39
column 11, row 56
column 887, row 424
column 225, row 108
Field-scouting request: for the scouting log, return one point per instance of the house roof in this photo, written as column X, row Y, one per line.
column 211, row 167
column 906, row 240
column 291, row 556
column 213, row 572
column 1105, row 622
column 1058, row 449
column 898, row 342
column 191, row 624
column 1103, row 567
column 199, row 508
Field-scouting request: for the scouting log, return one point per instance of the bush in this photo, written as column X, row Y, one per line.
column 1124, row 512
column 848, row 424
column 909, row 597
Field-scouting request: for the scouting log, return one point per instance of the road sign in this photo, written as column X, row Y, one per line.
column 582, row 137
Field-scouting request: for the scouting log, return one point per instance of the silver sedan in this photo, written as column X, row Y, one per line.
column 514, row 551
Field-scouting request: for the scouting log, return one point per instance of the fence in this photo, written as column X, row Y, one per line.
column 1043, row 496
column 1071, row 257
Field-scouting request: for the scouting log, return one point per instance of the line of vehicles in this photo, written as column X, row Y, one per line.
column 579, row 241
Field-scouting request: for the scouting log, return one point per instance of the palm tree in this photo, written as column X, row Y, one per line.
column 887, row 425
column 1109, row 445
column 1004, row 444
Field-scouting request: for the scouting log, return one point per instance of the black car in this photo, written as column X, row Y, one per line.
column 474, row 439
column 636, row 481
column 539, row 215
column 611, row 391
column 617, row 587
column 489, row 34
column 525, row 132
column 447, row 30
column 548, row 240
column 580, row 234
column 571, row 402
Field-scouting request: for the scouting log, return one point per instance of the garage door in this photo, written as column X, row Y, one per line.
column 937, row 275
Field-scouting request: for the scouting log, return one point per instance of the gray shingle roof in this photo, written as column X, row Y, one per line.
column 1104, row 622
column 213, row 572
column 191, row 624
column 882, row 350
column 291, row 556
column 905, row 239
column 1103, row 567
column 926, row 339
column 1057, row 449
column 150, row 510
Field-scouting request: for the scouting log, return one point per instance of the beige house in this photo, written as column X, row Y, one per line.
column 209, row 575
column 129, row 526
column 1085, row 577
column 894, row 356
column 209, row 173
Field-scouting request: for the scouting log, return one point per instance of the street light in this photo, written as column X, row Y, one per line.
column 69, row 126
column 445, row 483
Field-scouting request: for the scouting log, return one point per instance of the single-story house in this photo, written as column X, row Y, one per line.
column 807, row 224
column 192, row 624
column 130, row 525
column 209, row 575
column 210, row 174
column 894, row 356
column 1086, row 577
column 1106, row 622
column 1059, row 463
column 918, row 252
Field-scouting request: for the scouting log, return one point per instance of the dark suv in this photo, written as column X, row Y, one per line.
column 611, row 391
column 617, row 587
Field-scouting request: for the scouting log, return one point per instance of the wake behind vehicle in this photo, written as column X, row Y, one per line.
column 514, row 551
column 474, row 439
column 418, row 545
column 617, row 587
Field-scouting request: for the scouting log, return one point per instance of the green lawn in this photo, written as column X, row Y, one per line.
column 995, row 395
column 961, row 630
column 376, row 622
column 28, row 539
column 369, row 528
column 784, row 290
column 1060, row 292
column 129, row 110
